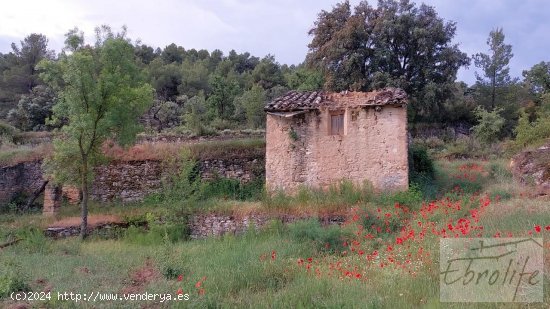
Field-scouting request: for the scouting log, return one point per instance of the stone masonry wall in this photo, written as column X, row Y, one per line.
column 24, row 177
column 125, row 181
column 301, row 152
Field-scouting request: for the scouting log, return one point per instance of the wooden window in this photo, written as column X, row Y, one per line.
column 337, row 124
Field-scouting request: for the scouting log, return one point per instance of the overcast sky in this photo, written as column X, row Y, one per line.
column 261, row 27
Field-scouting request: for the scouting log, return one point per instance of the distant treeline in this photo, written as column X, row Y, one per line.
column 396, row 43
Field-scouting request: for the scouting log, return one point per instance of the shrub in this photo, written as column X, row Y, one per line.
column 489, row 125
column 420, row 163
column 531, row 133
column 12, row 279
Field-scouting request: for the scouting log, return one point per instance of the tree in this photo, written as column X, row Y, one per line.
column 268, row 73
column 195, row 114
column 252, row 104
column 304, row 79
column 19, row 74
column 490, row 124
column 101, row 95
column 222, row 96
column 496, row 73
column 74, row 39
column 395, row 44
column 33, row 109
column 538, row 78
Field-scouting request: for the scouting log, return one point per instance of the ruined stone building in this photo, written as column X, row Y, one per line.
column 316, row 139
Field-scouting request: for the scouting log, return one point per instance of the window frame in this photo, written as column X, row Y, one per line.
column 339, row 117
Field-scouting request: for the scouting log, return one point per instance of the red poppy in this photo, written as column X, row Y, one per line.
column 537, row 228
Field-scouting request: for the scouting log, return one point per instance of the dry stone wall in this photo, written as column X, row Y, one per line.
column 24, row 178
column 124, row 181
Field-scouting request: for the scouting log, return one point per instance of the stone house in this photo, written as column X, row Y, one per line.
column 316, row 139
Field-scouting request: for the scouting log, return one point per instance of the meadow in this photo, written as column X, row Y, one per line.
column 384, row 256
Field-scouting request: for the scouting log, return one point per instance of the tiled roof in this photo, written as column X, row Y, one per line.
column 308, row 100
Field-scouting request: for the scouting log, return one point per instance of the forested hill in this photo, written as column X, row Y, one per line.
column 362, row 48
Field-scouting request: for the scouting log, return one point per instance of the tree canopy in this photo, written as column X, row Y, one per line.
column 395, row 44
column 101, row 95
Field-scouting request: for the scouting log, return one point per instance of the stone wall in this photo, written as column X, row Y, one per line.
column 300, row 151
column 132, row 181
column 24, row 178
column 127, row 181
column 206, row 225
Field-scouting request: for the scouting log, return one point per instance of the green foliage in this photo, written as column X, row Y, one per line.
column 532, row 133
column 489, row 125
column 12, row 279
column 101, row 96
column 496, row 73
column 304, row 79
column 344, row 41
column 328, row 239
column 420, row 163
column 20, row 75
column 538, row 78
column 181, row 189
column 33, row 109
column 252, row 103
column 195, row 115
column 7, row 133
column 233, row 189
column 293, row 135
column 221, row 99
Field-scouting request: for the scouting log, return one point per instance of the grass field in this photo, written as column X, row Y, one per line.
column 384, row 256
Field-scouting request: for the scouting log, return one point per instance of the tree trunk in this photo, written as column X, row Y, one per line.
column 84, row 202
column 35, row 195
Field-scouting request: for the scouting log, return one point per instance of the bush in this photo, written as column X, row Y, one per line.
column 531, row 133
column 489, row 125
column 7, row 133
column 420, row 163
column 12, row 279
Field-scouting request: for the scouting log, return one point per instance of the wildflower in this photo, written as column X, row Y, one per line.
column 537, row 228
column 180, row 291
column 180, row 277
column 273, row 255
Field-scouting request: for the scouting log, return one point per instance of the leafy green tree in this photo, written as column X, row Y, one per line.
column 74, row 39
column 395, row 44
column 489, row 124
column 496, row 73
column 538, row 78
column 252, row 104
column 268, row 73
column 33, row 109
column 19, row 74
column 304, row 79
column 172, row 53
column 101, row 95
column 165, row 78
column 222, row 96
column 195, row 114
column 194, row 78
